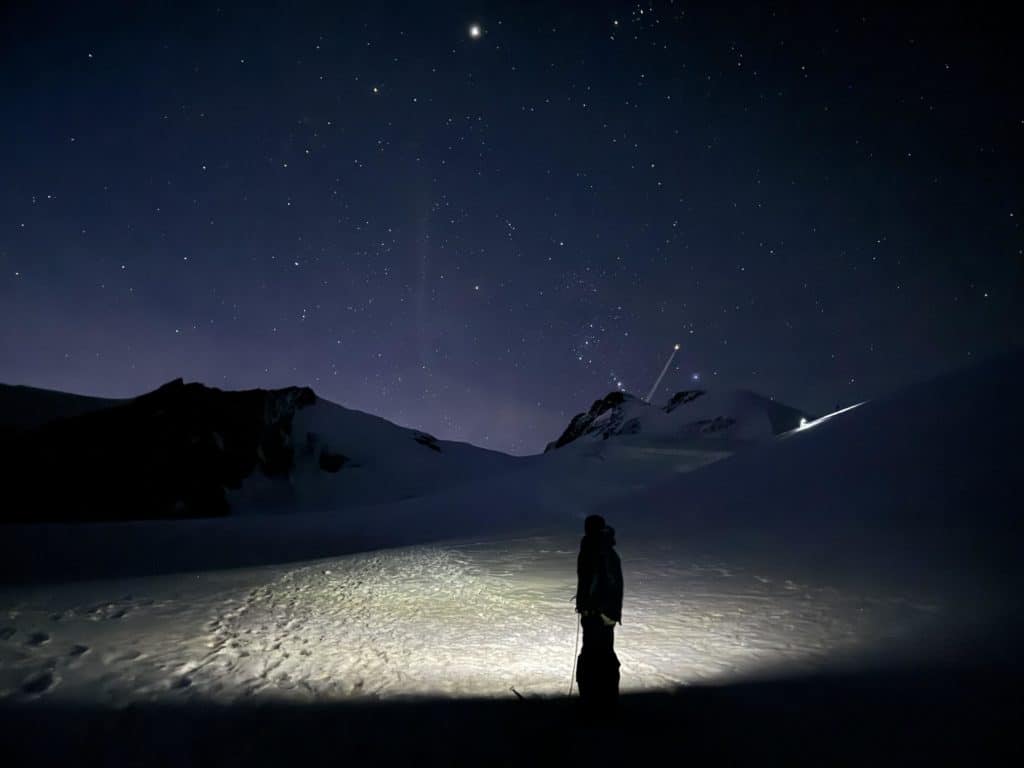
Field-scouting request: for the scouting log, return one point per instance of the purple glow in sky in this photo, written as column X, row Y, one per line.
column 478, row 234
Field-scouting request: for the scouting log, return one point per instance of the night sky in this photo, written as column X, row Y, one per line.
column 477, row 235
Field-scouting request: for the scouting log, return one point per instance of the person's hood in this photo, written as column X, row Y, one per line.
column 606, row 538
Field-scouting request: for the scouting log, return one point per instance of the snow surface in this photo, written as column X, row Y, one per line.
column 926, row 482
column 384, row 463
column 455, row 619
column 891, row 527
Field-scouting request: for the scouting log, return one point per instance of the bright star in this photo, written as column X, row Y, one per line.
column 475, row 31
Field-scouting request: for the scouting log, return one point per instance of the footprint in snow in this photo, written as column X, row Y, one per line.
column 116, row 658
column 78, row 650
column 39, row 684
column 6, row 633
column 38, row 638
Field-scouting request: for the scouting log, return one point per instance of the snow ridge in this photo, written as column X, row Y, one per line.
column 688, row 414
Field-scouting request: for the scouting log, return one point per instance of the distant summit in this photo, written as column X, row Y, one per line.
column 689, row 415
column 187, row 450
column 24, row 407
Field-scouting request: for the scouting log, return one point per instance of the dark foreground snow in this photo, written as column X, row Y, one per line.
column 918, row 715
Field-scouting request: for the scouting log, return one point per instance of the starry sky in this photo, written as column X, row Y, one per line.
column 478, row 231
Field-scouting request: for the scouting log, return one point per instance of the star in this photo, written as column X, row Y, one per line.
column 475, row 31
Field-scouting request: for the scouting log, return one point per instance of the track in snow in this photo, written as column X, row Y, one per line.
column 469, row 619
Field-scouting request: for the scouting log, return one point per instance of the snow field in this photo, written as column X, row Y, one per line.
column 453, row 620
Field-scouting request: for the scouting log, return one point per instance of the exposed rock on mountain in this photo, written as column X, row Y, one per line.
column 688, row 415
column 187, row 450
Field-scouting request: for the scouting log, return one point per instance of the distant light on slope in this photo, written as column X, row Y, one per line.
column 805, row 424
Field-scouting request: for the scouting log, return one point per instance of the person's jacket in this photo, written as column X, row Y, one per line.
column 599, row 576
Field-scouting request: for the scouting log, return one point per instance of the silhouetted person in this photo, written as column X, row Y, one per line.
column 599, row 603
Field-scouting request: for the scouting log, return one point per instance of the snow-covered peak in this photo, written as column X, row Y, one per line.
column 345, row 458
column 688, row 415
column 188, row 450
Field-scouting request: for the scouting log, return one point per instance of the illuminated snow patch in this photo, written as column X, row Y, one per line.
column 451, row 621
